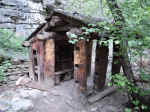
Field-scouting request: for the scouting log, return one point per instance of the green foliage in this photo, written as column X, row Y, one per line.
column 8, row 40
column 128, row 110
column 88, row 7
column 123, row 84
column 3, row 67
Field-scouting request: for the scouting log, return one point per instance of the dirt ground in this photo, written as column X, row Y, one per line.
column 61, row 98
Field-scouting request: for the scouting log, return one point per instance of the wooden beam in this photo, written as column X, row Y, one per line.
column 31, row 65
column 56, row 21
column 26, row 44
column 63, row 71
column 93, row 58
column 100, row 67
column 64, row 28
column 40, row 60
column 46, row 35
column 57, row 75
column 49, row 62
column 80, row 64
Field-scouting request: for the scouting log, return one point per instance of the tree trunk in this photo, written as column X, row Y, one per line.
column 124, row 60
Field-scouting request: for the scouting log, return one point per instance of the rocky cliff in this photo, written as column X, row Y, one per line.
column 21, row 16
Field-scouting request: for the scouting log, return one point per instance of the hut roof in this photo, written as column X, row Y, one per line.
column 73, row 18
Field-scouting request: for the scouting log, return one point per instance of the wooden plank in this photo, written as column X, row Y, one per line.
column 93, row 58
column 31, row 65
column 80, row 64
column 34, row 57
column 40, row 60
column 64, row 71
column 46, row 35
column 49, row 62
column 100, row 67
column 89, row 53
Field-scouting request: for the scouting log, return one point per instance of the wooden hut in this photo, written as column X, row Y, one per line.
column 53, row 56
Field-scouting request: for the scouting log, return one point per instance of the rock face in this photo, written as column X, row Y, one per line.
column 22, row 16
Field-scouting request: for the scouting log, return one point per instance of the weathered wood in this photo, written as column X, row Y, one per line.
column 57, row 75
column 34, row 57
column 40, row 60
column 31, row 65
column 75, row 18
column 26, row 44
column 61, row 28
column 116, row 65
column 100, row 67
column 56, row 21
column 62, row 72
column 89, row 53
column 46, row 35
column 80, row 64
column 93, row 59
column 49, row 62
column 101, row 95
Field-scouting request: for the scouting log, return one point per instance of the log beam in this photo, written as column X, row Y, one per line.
column 80, row 64
column 40, row 60
column 46, row 35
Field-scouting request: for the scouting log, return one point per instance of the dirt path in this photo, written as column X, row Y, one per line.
column 62, row 98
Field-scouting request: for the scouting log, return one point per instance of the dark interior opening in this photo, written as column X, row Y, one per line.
column 64, row 56
column 34, row 52
column 34, row 57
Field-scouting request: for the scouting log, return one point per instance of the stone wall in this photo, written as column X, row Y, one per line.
column 21, row 16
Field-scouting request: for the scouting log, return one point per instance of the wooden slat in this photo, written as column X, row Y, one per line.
column 31, row 65
column 101, row 67
column 49, row 62
column 80, row 61
column 40, row 60
column 93, row 58
column 64, row 71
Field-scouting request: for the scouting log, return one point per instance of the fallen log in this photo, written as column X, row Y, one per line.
column 101, row 95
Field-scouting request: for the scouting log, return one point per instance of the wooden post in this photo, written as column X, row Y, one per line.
column 80, row 63
column 93, row 58
column 100, row 67
column 49, row 62
column 116, row 65
column 40, row 60
column 31, row 65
